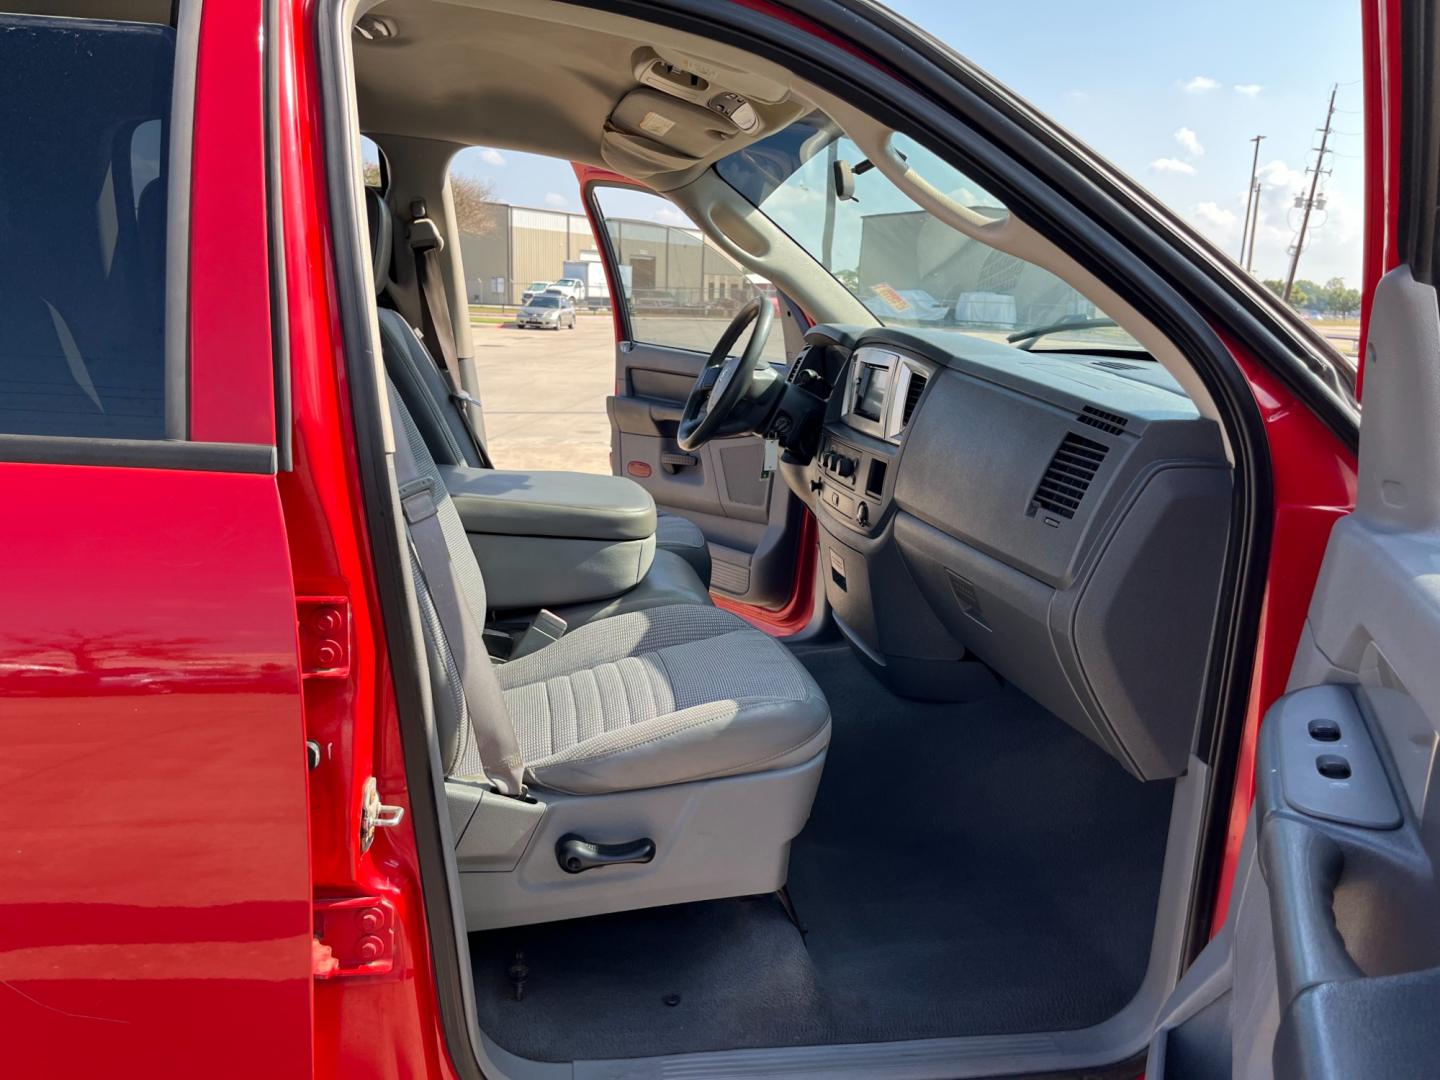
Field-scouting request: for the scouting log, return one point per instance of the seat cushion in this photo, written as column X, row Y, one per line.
column 659, row 697
column 683, row 537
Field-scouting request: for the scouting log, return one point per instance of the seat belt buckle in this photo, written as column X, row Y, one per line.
column 424, row 235
column 545, row 629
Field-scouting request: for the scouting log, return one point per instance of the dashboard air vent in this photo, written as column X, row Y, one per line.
column 801, row 358
column 1068, row 477
column 912, row 396
column 1105, row 421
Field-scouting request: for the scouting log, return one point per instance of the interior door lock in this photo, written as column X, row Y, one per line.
column 376, row 815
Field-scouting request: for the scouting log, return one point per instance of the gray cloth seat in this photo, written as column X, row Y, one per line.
column 663, row 696
column 669, row 695
column 437, row 415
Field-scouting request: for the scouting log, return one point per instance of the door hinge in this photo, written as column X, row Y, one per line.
column 354, row 935
column 324, row 624
column 376, row 815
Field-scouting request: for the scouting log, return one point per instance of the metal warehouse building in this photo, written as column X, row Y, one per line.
column 669, row 265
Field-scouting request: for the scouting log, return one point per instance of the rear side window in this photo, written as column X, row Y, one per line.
column 84, row 141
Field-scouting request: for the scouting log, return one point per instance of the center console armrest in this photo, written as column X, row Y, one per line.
column 548, row 539
column 563, row 504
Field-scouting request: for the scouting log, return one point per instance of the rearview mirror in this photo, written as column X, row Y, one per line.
column 843, row 178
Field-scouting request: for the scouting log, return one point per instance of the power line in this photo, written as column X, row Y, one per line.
column 1309, row 202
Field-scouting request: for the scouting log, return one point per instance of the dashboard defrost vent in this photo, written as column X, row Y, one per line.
column 1068, row 476
column 1105, row 421
column 912, row 396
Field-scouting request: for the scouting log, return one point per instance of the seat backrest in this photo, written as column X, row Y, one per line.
column 409, row 364
column 459, row 753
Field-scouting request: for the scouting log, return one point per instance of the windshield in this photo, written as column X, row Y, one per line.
column 548, row 300
column 908, row 267
column 537, row 286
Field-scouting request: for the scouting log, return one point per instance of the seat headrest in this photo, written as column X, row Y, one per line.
column 382, row 228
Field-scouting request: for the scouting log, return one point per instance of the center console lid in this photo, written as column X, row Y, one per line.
column 569, row 505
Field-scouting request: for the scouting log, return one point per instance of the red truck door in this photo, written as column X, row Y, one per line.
column 1328, row 962
column 155, row 897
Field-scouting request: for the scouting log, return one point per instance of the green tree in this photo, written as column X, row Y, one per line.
column 1339, row 300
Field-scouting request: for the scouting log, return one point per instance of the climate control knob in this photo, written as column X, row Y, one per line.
column 862, row 515
column 846, row 467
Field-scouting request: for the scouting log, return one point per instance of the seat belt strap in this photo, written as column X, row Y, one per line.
column 438, row 328
column 489, row 719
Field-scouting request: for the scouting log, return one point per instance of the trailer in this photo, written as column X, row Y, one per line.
column 591, row 274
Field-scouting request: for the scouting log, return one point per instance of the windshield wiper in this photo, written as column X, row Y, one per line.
column 1072, row 323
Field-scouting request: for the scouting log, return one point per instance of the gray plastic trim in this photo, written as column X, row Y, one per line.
column 713, row 839
column 1363, row 796
column 177, row 221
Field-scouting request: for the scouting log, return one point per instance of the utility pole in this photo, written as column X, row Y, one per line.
column 1250, row 199
column 1254, row 228
column 1310, row 199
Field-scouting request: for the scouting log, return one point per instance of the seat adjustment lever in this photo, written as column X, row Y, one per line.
column 576, row 854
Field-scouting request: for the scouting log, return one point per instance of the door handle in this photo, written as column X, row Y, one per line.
column 672, row 461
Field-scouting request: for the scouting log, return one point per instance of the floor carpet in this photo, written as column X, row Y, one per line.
column 968, row 869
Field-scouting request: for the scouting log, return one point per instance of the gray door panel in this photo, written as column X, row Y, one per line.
column 1329, row 965
column 719, row 487
column 677, row 295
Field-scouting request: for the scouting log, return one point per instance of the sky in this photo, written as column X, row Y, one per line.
column 1171, row 93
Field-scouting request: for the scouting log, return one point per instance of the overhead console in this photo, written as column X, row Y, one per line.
column 1061, row 518
column 685, row 112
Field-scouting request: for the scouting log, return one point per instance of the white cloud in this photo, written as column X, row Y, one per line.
column 1213, row 217
column 1190, row 141
column 555, row 199
column 668, row 215
column 1200, row 84
column 1170, row 164
column 1217, row 224
column 490, row 156
column 1333, row 243
column 1248, row 89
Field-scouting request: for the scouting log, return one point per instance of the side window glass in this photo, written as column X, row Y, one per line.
column 680, row 289
column 84, row 116
column 370, row 163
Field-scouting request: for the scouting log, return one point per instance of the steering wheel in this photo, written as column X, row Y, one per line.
column 726, row 381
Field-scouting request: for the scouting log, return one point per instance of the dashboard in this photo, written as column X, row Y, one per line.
column 1053, row 520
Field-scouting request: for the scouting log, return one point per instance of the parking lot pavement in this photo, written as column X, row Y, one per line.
column 545, row 390
column 544, row 394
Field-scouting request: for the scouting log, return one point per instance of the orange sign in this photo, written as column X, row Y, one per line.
column 891, row 297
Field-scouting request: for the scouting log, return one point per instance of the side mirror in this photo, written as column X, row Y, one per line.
column 843, row 179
